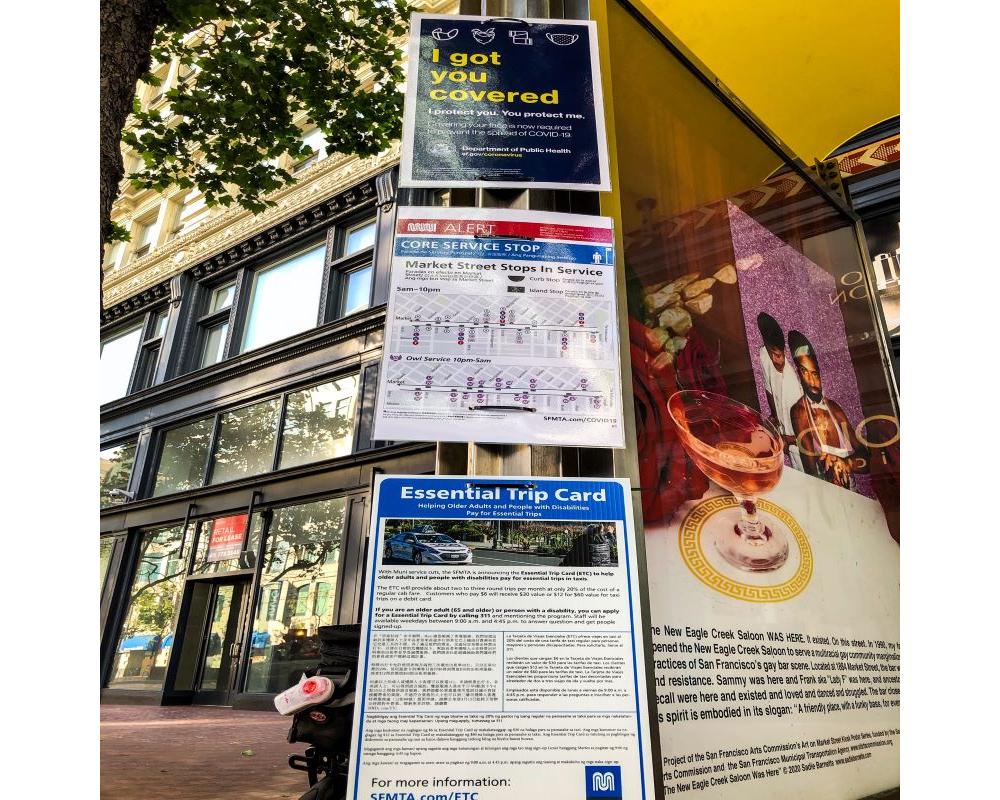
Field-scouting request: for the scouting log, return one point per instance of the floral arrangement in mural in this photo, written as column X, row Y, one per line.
column 669, row 353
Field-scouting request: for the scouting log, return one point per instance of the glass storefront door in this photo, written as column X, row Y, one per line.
column 222, row 641
column 297, row 592
column 233, row 604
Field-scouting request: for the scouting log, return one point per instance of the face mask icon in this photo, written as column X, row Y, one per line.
column 563, row 39
column 443, row 35
column 484, row 36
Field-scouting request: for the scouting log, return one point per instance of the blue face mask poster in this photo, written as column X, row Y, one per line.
column 503, row 103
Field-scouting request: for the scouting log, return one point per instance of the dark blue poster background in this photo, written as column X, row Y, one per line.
column 504, row 103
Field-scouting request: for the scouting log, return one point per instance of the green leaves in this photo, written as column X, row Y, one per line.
column 118, row 233
column 261, row 65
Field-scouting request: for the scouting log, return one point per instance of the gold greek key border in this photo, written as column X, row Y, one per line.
column 689, row 541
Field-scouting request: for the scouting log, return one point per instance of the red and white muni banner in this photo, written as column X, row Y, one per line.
column 502, row 327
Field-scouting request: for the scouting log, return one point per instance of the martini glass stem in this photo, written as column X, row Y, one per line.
column 750, row 526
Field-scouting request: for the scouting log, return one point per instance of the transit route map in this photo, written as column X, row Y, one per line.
column 502, row 327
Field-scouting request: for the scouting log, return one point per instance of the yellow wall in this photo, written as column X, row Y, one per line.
column 816, row 72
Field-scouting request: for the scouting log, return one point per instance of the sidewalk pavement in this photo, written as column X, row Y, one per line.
column 195, row 753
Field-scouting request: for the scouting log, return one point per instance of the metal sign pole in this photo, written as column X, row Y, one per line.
column 476, row 458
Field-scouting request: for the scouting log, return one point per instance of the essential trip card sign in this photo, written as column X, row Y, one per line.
column 503, row 103
column 501, row 652
column 501, row 327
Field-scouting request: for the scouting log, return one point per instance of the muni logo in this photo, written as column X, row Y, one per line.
column 604, row 782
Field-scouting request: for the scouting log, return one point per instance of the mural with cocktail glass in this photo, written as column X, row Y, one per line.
column 738, row 449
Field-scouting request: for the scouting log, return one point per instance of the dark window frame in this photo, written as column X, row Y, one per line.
column 341, row 266
column 133, row 440
column 151, row 348
column 149, row 482
column 336, row 270
column 207, row 319
column 217, row 431
column 353, row 541
column 238, row 310
column 147, row 354
column 304, row 164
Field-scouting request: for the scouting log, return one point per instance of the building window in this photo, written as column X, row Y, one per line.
column 147, row 635
column 116, row 471
column 112, row 252
column 319, row 422
column 130, row 355
column 361, row 237
column 214, row 325
column 315, row 140
column 284, row 298
column 183, row 456
column 318, row 425
column 318, row 282
column 118, row 352
column 222, row 298
column 302, row 555
column 354, row 269
column 246, row 441
column 107, row 547
column 190, row 214
column 357, row 295
column 213, row 349
column 143, row 235
column 157, row 93
column 149, row 353
column 322, row 601
column 185, row 74
column 301, row 601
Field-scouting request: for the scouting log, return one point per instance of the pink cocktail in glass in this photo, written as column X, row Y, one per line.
column 742, row 452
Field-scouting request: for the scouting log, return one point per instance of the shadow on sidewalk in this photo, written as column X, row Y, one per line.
column 196, row 753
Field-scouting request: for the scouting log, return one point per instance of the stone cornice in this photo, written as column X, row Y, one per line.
column 218, row 233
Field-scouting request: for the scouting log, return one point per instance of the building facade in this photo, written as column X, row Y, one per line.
column 239, row 358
